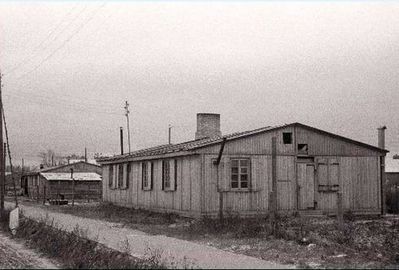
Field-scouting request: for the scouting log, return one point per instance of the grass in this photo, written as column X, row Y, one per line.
column 304, row 241
column 75, row 251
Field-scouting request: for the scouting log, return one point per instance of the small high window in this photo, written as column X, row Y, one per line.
column 302, row 149
column 287, row 137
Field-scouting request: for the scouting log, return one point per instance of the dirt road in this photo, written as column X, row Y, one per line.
column 15, row 255
column 172, row 251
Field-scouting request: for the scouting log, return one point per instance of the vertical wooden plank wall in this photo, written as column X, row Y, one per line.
column 185, row 199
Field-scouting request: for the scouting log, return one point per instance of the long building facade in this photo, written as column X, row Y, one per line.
column 233, row 173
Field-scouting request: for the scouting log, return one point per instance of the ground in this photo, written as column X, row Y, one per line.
column 14, row 254
column 302, row 241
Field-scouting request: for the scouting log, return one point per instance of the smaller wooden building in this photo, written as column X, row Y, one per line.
column 59, row 182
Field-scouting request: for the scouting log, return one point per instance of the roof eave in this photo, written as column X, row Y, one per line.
column 148, row 157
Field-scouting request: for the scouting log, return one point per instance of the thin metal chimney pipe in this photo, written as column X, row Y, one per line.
column 121, row 136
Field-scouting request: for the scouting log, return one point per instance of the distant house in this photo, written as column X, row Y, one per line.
column 56, row 182
column 312, row 167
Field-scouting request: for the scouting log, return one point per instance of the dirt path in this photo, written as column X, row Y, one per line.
column 15, row 255
column 181, row 253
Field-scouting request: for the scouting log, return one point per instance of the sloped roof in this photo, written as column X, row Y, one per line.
column 185, row 146
column 80, row 176
column 195, row 144
column 49, row 169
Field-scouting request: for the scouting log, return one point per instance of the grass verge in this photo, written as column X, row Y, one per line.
column 73, row 250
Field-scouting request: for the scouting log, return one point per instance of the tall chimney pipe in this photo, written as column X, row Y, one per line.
column 381, row 137
column 121, row 136
column 381, row 144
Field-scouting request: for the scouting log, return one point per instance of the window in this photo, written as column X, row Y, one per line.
column 144, row 175
column 120, row 175
column 111, row 176
column 302, row 149
column 240, row 173
column 165, row 174
column 152, row 174
column 128, row 175
column 287, row 137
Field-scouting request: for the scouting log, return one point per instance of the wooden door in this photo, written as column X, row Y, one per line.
column 306, row 186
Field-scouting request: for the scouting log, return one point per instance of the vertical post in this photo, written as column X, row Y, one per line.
column 170, row 134
column 219, row 189
column 2, row 160
column 381, row 144
column 85, row 154
column 121, row 139
column 58, row 190
column 273, row 195
column 127, row 122
column 37, row 192
column 340, row 212
column 73, row 188
column 44, row 194
column 22, row 173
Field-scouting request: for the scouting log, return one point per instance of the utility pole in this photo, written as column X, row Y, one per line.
column 2, row 150
column 85, row 154
column 127, row 122
column 170, row 131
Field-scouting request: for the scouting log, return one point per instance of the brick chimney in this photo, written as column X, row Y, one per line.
column 208, row 125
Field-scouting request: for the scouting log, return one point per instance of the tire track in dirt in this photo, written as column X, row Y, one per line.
column 14, row 254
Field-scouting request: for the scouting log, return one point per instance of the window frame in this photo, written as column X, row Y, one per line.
column 285, row 138
column 144, row 176
column 127, row 175
column 166, row 175
column 120, row 176
column 239, row 174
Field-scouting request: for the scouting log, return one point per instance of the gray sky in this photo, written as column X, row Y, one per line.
column 69, row 66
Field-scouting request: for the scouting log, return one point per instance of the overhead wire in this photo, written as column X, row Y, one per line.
column 77, row 30
column 72, row 106
column 36, row 49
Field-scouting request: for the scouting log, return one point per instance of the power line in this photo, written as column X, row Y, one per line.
column 81, row 26
column 36, row 49
column 71, row 106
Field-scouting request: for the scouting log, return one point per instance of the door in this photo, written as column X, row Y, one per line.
column 305, row 178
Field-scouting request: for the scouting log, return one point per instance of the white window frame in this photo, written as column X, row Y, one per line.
column 240, row 173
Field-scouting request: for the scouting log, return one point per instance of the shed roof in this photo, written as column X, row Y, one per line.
column 195, row 144
column 80, row 176
column 49, row 169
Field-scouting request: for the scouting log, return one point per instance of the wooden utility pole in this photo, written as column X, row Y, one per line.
column 127, row 122
column 2, row 160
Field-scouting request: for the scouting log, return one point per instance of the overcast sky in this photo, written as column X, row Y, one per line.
column 69, row 67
